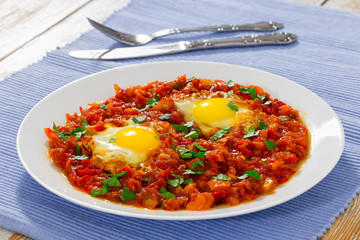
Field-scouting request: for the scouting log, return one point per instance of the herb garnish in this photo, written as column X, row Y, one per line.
column 139, row 119
column 103, row 106
column 222, row 177
column 251, row 133
column 283, row 119
column 82, row 157
column 127, row 195
column 270, row 144
column 250, row 91
column 192, row 134
column 229, row 93
column 166, row 116
column 232, row 106
column 85, row 124
column 220, row 133
column 262, row 125
column 230, row 83
column 61, row 135
column 107, row 183
column 78, row 149
column 181, row 128
column 197, row 172
column 165, row 193
column 178, row 181
column 113, row 139
column 150, row 103
column 197, row 161
column 268, row 102
column 253, row 174
column 201, row 148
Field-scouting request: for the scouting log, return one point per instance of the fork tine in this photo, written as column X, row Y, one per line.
column 118, row 36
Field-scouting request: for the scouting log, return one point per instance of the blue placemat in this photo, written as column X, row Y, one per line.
column 325, row 60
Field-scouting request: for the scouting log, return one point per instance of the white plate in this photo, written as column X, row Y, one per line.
column 327, row 135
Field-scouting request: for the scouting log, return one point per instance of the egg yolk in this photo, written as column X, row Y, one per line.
column 137, row 139
column 213, row 110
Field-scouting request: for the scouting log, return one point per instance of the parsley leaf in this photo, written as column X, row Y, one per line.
column 253, row 174
column 78, row 132
column 251, row 133
column 201, row 148
column 175, row 86
column 222, row 177
column 232, row 106
column 220, row 133
column 166, row 116
column 283, row 119
column 61, row 135
column 189, row 171
column 229, row 93
column 139, row 119
column 111, row 140
column 262, row 98
column 262, row 125
column 165, row 193
column 189, row 124
column 181, row 128
column 127, row 195
column 194, row 164
column 85, row 124
column 82, row 157
column 270, row 144
column 78, row 148
column 112, row 182
column 230, row 83
column 119, row 175
column 200, row 154
column 188, row 181
column 150, row 103
column 175, row 182
column 250, row 91
column 101, row 191
column 103, row 106
column 185, row 153
column 192, row 134
column 264, row 159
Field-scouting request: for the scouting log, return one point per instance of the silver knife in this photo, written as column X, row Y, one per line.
column 183, row 46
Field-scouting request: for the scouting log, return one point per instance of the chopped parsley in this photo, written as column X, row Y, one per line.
column 201, row 148
column 222, row 177
column 192, row 134
column 119, row 175
column 262, row 125
column 139, row 119
column 178, row 181
column 251, row 133
column 107, row 183
column 250, row 91
column 127, row 195
column 231, row 92
column 61, row 135
column 175, row 86
column 253, row 174
column 270, row 144
column 194, row 164
column 197, row 172
column 85, row 124
column 166, row 116
column 82, row 157
column 220, row 133
column 165, row 193
column 186, row 153
column 113, row 139
column 103, row 106
column 262, row 98
column 189, row 124
column 230, row 83
column 150, row 103
column 78, row 149
column 264, row 159
column 232, row 106
column 181, row 128
column 283, row 119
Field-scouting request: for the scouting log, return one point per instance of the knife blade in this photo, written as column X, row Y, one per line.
column 183, row 46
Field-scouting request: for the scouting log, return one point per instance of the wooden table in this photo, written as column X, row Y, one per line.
column 32, row 28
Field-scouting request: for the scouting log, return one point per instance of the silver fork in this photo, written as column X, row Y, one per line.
column 141, row 39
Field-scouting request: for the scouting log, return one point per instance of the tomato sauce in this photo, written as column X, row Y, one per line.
column 233, row 170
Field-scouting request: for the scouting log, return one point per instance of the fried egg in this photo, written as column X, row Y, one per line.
column 214, row 112
column 131, row 145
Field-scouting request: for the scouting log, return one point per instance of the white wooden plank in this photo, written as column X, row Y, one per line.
column 5, row 234
column 63, row 33
column 22, row 21
column 315, row 2
column 346, row 5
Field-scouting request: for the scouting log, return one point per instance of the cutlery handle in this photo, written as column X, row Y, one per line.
column 266, row 39
column 260, row 26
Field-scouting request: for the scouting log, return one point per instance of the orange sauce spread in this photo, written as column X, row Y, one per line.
column 180, row 174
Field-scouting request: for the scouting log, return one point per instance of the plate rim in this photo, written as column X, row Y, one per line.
column 177, row 217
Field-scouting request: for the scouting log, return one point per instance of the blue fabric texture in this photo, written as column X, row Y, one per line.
column 325, row 60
